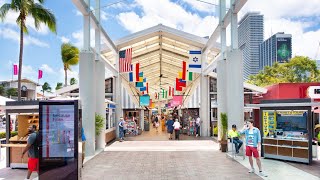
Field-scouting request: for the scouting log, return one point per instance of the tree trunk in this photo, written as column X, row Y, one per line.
column 20, row 59
column 65, row 76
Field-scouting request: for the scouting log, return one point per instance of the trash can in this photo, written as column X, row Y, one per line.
column 146, row 126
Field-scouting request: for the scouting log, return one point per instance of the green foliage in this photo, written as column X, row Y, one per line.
column 3, row 134
column 298, row 69
column 99, row 124
column 70, row 57
column 224, row 125
column 59, row 85
column 11, row 92
column 46, row 88
column 73, row 81
column 2, row 90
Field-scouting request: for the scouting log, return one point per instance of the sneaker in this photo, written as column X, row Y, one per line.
column 251, row 170
column 262, row 174
column 197, row 135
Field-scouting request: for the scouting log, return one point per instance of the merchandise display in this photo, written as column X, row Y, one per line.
column 189, row 117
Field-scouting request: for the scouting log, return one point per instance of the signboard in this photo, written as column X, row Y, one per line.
column 177, row 100
column 144, row 100
column 265, row 123
column 283, row 49
column 313, row 92
column 59, row 121
column 269, row 122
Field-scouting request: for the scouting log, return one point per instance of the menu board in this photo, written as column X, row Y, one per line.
column 58, row 131
column 269, row 122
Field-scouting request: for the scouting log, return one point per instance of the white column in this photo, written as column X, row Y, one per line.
column 87, row 93
column 119, row 112
column 204, row 100
column 87, row 97
column 234, row 28
column 221, row 69
column 100, row 81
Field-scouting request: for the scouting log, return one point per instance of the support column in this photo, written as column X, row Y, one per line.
column 86, row 82
column 87, row 97
column 204, row 103
column 119, row 111
column 100, row 81
column 221, row 70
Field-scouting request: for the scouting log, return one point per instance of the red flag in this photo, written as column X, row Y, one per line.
column 15, row 69
column 39, row 74
column 169, row 90
column 179, row 85
column 142, row 92
column 184, row 70
column 147, row 88
column 125, row 58
column 156, row 95
column 172, row 91
column 137, row 72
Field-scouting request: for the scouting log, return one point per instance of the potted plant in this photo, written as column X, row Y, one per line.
column 224, row 128
column 99, row 124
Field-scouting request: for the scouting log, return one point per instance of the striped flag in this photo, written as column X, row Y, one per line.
column 189, row 76
column 184, row 70
column 15, row 69
column 125, row 59
column 195, row 61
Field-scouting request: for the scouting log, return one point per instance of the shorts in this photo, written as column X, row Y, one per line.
column 170, row 131
column 33, row 164
column 252, row 150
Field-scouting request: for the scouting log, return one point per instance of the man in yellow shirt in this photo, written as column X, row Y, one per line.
column 235, row 136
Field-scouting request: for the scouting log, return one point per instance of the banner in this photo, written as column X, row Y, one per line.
column 265, row 123
column 283, row 49
column 144, row 100
column 15, row 69
column 177, row 100
column 40, row 74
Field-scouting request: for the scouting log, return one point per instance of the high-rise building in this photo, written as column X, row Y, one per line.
column 250, row 37
column 278, row 48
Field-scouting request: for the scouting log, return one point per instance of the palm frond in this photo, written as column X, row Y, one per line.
column 4, row 10
column 42, row 15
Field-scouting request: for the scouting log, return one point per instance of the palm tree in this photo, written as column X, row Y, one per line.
column 46, row 88
column 70, row 57
column 73, row 81
column 59, row 85
column 28, row 8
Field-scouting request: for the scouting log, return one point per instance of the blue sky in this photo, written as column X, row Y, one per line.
column 42, row 48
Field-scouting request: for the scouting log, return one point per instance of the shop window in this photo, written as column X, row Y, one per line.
column 108, row 85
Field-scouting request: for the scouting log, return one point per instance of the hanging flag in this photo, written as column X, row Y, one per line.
column 184, row 70
column 163, row 93
column 180, row 84
column 15, row 69
column 180, row 75
column 139, row 84
column 147, row 88
column 144, row 80
column 140, row 79
column 137, row 70
column 156, row 96
column 169, row 90
column 172, row 91
column 140, row 74
column 143, row 88
column 166, row 94
column 189, row 76
column 40, row 74
column 125, row 58
column 195, row 61
column 183, row 83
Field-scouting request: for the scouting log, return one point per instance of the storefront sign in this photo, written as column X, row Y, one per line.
column 265, row 123
column 313, row 92
column 291, row 113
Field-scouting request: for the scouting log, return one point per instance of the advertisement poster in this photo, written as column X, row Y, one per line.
column 58, row 131
column 269, row 122
column 265, row 123
column 283, row 49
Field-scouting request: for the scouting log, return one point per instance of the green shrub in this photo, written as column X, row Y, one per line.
column 224, row 124
column 3, row 134
column 99, row 124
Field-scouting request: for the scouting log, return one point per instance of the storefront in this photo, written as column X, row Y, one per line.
column 188, row 120
column 287, row 129
column 110, row 132
column 27, row 113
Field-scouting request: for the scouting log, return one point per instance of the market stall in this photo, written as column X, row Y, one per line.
column 189, row 117
column 287, row 129
column 27, row 113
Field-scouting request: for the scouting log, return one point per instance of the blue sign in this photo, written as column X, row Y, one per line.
column 144, row 100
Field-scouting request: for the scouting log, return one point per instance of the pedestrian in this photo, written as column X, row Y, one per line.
column 33, row 151
column 253, row 145
column 176, row 126
column 163, row 123
column 169, row 124
column 156, row 121
column 198, row 122
column 121, row 131
column 83, row 138
column 235, row 136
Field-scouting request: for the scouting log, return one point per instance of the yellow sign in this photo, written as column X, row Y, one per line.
column 265, row 123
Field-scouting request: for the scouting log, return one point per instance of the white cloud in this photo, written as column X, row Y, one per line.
column 64, row 39
column 47, row 69
column 8, row 33
column 77, row 12
column 78, row 38
column 104, row 15
column 167, row 15
column 201, row 6
column 71, row 74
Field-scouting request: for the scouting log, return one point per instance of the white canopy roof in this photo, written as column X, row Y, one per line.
column 3, row 100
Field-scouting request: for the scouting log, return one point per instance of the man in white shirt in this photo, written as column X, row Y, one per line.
column 176, row 126
column 198, row 126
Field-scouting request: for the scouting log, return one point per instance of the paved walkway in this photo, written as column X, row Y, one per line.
column 148, row 160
